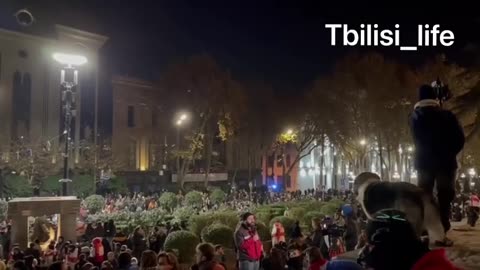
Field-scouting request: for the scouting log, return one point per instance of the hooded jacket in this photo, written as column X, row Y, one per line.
column 437, row 135
column 247, row 247
column 434, row 260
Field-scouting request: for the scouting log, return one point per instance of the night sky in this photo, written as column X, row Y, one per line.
column 285, row 45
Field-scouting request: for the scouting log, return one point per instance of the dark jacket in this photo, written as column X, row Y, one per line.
column 109, row 229
column 247, row 248
column 437, row 135
column 316, row 239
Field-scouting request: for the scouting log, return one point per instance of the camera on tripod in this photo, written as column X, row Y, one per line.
column 442, row 91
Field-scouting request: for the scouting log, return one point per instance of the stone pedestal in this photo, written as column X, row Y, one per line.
column 19, row 209
column 19, row 232
column 68, row 226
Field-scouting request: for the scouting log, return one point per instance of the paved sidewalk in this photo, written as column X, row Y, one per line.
column 465, row 252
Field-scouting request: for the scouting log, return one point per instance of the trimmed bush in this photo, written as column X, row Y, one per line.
column 264, row 216
column 337, row 202
column 184, row 242
column 313, row 206
column 295, row 213
column 3, row 209
column 264, row 232
column 198, row 222
column 194, row 198
column 217, row 196
column 218, row 234
column 168, row 200
column 329, row 209
column 17, row 186
column 184, row 213
column 309, row 216
column 94, row 203
column 287, row 223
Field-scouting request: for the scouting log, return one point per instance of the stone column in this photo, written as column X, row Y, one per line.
column 68, row 225
column 19, row 232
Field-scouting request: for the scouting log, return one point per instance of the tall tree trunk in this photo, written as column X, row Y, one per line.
column 249, row 165
column 380, row 155
column 334, row 172
column 389, row 167
column 284, row 169
column 322, row 161
column 208, row 153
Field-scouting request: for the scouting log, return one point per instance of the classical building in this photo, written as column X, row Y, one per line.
column 139, row 134
column 30, row 96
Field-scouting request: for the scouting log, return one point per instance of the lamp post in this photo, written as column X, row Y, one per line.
column 68, row 85
column 180, row 120
column 363, row 155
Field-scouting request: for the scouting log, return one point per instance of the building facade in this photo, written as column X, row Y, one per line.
column 139, row 135
column 30, row 96
column 276, row 164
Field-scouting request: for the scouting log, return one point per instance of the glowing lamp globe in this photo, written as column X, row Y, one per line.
column 70, row 59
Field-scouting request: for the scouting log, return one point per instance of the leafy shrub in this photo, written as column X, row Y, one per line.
column 94, row 203
column 183, row 213
column 198, row 222
column 263, row 231
column 18, row 186
column 329, row 209
column 218, row 234
column 168, row 200
column 194, row 199
column 287, row 223
column 337, row 202
column 295, row 213
column 185, row 243
column 264, row 216
column 217, row 196
column 3, row 209
column 309, row 216
column 313, row 206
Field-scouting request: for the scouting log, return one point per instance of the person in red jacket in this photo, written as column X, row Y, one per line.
column 248, row 244
column 392, row 244
column 315, row 260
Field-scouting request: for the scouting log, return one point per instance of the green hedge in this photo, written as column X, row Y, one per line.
column 18, row 186
column 264, row 232
column 198, row 222
column 168, row 200
column 184, row 213
column 94, row 203
column 217, row 196
column 184, row 243
column 288, row 223
column 295, row 213
column 218, row 234
column 194, row 198
column 3, row 210
column 264, row 216
column 309, row 216
column 329, row 209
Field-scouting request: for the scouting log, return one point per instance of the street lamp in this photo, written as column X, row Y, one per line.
column 289, row 132
column 179, row 122
column 363, row 142
column 68, row 85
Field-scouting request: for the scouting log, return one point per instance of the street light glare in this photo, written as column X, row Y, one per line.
column 70, row 59
column 179, row 122
column 363, row 142
column 289, row 131
column 183, row 117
